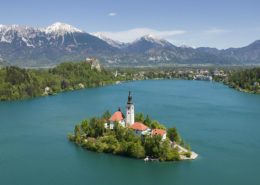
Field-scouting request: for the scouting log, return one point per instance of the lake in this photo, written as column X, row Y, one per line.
column 222, row 125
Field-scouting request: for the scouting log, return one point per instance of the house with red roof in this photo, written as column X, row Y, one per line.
column 159, row 132
column 140, row 128
column 118, row 117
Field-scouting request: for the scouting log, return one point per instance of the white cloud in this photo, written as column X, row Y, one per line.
column 112, row 14
column 216, row 31
column 132, row 34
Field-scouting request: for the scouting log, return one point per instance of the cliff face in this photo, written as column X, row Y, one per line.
column 94, row 62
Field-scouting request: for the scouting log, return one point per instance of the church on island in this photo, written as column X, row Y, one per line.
column 128, row 121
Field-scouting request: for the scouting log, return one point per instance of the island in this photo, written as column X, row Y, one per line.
column 131, row 135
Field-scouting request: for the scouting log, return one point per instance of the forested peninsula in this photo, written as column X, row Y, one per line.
column 17, row 83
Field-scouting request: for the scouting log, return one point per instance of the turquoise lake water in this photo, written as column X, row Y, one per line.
column 222, row 125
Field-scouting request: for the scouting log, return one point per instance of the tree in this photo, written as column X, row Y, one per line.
column 167, row 153
column 85, row 126
column 64, row 84
column 106, row 115
column 139, row 117
column 120, row 132
column 111, row 142
column 100, row 128
column 152, row 146
column 173, row 135
column 147, row 121
column 135, row 149
column 130, row 136
column 97, row 127
column 77, row 134
column 16, row 75
column 156, row 124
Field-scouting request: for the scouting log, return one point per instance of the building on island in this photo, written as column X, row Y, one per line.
column 130, row 111
column 140, row 128
column 128, row 121
column 118, row 117
column 160, row 132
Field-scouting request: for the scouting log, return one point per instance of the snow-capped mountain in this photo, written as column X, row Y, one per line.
column 59, row 28
column 186, row 46
column 148, row 43
column 37, row 37
column 154, row 40
column 114, row 43
column 59, row 42
column 55, row 43
column 19, row 35
column 151, row 40
column 26, row 31
column 34, row 37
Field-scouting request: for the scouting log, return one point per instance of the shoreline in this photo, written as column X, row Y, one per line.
column 127, row 81
column 181, row 151
column 193, row 155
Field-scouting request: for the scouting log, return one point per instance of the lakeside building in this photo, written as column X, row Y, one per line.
column 160, row 132
column 203, row 77
column 118, row 117
column 140, row 128
column 128, row 121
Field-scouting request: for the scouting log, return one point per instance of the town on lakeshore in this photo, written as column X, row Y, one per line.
column 131, row 135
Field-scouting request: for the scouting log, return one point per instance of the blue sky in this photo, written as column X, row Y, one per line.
column 218, row 23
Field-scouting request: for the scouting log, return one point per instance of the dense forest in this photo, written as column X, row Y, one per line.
column 247, row 80
column 17, row 83
column 92, row 135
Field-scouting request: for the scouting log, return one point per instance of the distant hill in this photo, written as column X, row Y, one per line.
column 33, row 47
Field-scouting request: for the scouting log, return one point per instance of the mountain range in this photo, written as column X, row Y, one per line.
column 35, row 47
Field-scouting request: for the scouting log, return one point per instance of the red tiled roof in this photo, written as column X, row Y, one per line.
column 158, row 132
column 117, row 116
column 139, row 126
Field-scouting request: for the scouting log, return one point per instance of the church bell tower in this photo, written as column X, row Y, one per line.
column 130, row 111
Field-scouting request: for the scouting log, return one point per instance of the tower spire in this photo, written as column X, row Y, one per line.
column 129, row 98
